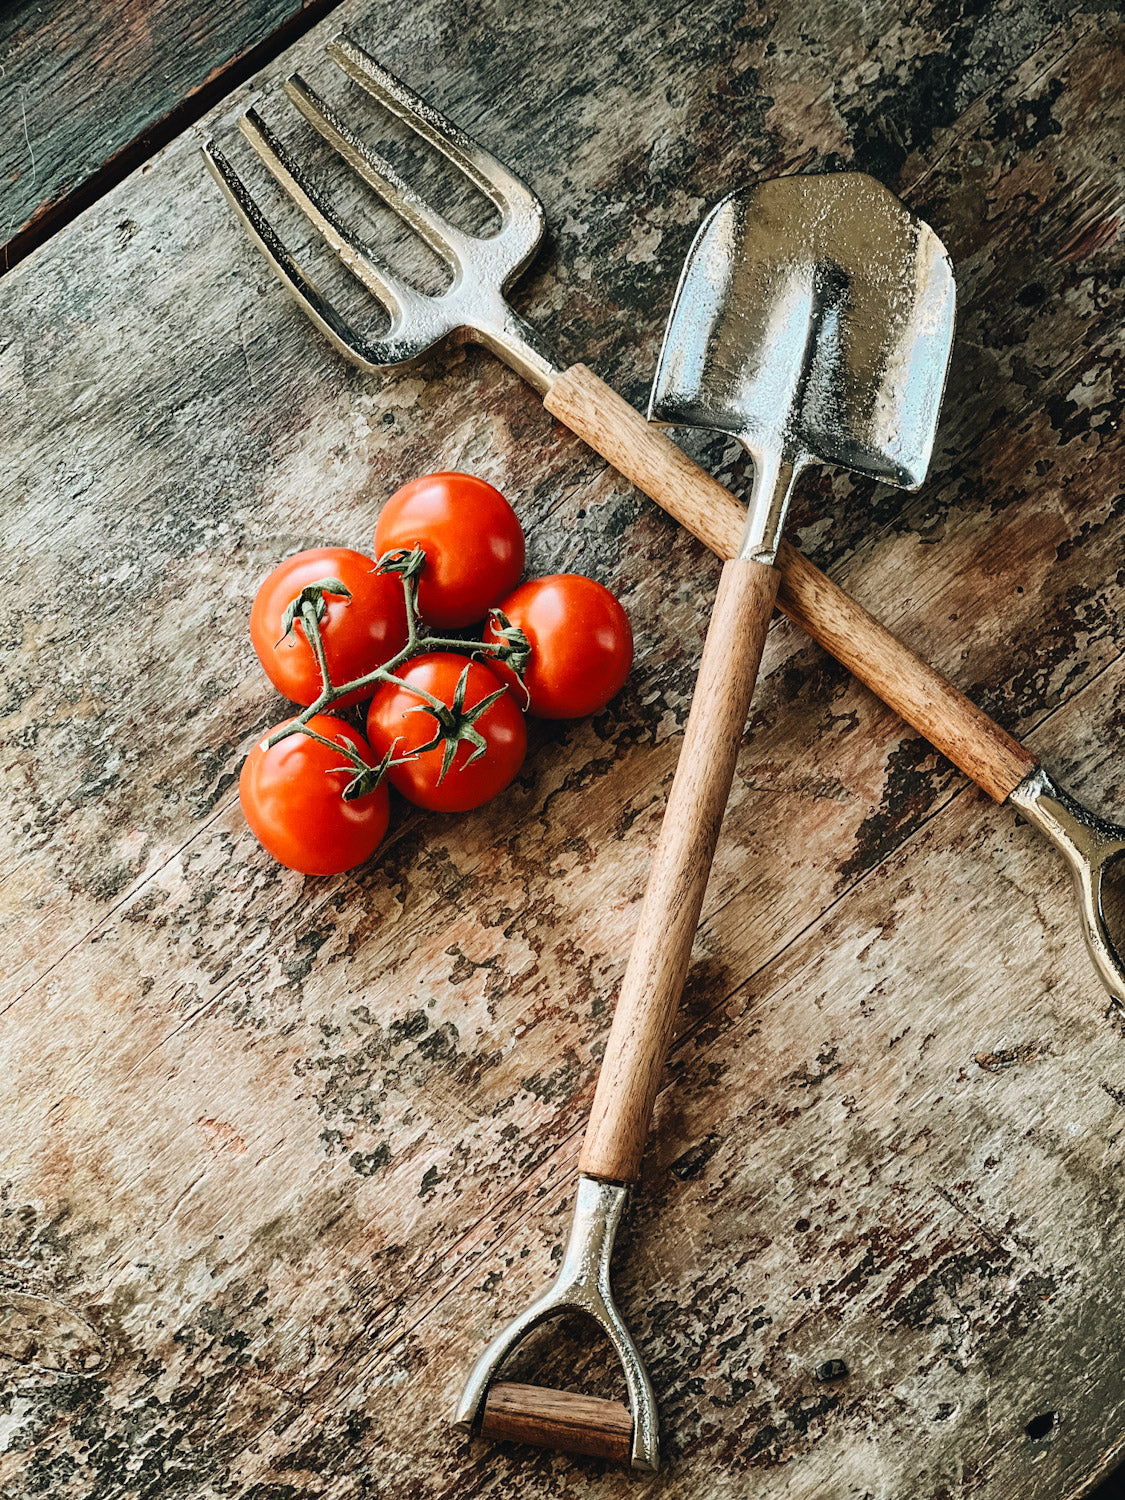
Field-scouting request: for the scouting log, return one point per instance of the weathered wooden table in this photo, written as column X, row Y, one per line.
column 280, row 1154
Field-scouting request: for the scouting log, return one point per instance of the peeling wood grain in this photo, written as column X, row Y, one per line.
column 44, row 1334
column 290, row 1148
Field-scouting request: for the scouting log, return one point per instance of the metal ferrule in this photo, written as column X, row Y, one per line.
column 517, row 344
column 581, row 1286
column 1089, row 844
column 769, row 504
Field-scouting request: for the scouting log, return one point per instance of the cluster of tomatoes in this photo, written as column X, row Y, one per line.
column 335, row 629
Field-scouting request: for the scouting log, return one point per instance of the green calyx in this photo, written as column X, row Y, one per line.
column 406, row 563
column 311, row 596
column 456, row 724
column 367, row 778
column 516, row 648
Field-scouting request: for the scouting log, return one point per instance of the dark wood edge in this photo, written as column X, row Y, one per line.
column 49, row 218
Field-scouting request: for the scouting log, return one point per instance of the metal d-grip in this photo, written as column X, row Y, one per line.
column 1089, row 844
column 581, row 1286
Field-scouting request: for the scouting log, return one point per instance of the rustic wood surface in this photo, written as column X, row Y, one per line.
column 281, row 1154
column 87, row 92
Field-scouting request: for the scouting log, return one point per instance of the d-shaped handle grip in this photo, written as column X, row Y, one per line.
column 564, row 1420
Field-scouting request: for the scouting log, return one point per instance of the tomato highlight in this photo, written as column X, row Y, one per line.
column 472, row 538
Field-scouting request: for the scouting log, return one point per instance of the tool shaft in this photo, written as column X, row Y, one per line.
column 650, row 991
column 915, row 690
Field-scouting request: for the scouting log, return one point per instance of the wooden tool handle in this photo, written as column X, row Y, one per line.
column 918, row 693
column 650, row 991
column 558, row 1419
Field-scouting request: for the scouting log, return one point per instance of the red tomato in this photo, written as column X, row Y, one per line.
column 472, row 539
column 581, row 645
column 293, row 798
column 399, row 718
column 358, row 634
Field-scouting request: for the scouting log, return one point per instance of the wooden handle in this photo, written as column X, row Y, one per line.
column 558, row 1419
column 918, row 693
column 650, row 991
column 640, row 451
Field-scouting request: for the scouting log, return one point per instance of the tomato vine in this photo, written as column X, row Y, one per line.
column 454, row 723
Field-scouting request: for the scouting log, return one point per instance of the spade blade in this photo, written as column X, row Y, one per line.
column 813, row 321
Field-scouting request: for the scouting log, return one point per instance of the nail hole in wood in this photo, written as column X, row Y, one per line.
column 1042, row 1426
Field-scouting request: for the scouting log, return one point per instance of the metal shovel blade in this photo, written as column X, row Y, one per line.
column 813, row 321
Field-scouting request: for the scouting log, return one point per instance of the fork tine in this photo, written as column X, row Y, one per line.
column 509, row 193
column 335, row 328
column 396, row 295
column 378, row 173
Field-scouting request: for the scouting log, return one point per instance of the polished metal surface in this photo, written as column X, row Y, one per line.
column 813, row 321
column 473, row 307
column 1090, row 845
column 582, row 1286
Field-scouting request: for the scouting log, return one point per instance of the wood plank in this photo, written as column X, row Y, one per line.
column 88, row 93
column 291, row 1148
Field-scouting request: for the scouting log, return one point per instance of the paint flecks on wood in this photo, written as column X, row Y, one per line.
column 292, row 1148
column 41, row 1334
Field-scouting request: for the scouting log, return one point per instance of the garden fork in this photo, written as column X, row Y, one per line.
column 474, row 308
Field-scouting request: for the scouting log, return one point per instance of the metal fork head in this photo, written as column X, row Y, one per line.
column 473, row 306
column 582, row 1286
column 1090, row 845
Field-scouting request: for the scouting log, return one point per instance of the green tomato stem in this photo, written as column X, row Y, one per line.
column 416, row 644
column 344, row 747
column 316, row 641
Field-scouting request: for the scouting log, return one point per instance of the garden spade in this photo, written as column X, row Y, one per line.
column 813, row 321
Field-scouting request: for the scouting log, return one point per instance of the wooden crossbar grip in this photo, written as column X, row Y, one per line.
column 915, row 690
column 558, row 1419
column 650, row 990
